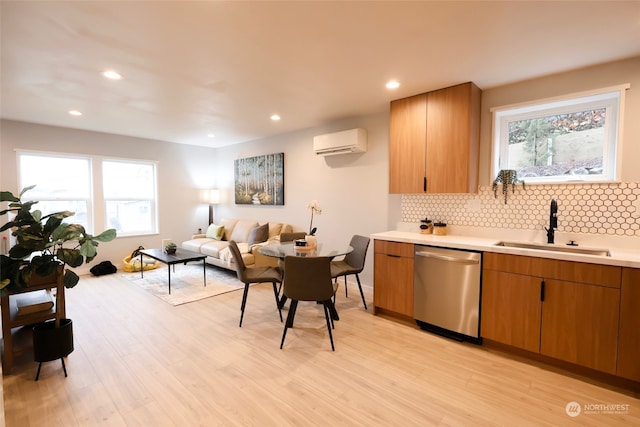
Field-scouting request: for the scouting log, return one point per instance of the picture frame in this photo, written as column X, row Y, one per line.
column 259, row 180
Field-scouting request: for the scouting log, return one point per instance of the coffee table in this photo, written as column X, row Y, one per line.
column 180, row 256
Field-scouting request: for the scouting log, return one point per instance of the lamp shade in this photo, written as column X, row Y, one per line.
column 214, row 197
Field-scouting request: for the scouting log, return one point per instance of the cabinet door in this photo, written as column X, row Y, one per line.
column 629, row 338
column 453, row 135
column 580, row 324
column 393, row 283
column 511, row 309
column 407, row 143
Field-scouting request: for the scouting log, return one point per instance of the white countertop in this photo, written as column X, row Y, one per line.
column 623, row 257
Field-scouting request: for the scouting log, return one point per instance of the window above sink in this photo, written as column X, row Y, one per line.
column 567, row 139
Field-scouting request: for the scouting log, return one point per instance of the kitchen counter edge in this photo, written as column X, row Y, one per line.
column 619, row 257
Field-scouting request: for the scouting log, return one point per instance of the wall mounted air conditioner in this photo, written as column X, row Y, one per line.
column 345, row 142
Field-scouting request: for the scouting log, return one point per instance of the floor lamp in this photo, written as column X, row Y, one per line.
column 214, row 199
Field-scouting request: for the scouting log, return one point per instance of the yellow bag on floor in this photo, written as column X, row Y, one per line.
column 133, row 266
column 132, row 262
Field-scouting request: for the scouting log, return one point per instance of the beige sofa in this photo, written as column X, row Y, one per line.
column 240, row 230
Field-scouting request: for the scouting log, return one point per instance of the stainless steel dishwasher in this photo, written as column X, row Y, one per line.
column 446, row 291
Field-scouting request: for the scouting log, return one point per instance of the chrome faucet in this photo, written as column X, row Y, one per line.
column 553, row 220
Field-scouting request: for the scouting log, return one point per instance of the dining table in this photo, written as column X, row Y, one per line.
column 282, row 250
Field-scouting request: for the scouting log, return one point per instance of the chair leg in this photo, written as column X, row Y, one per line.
column 326, row 317
column 275, row 292
column 346, row 293
column 361, row 293
column 244, row 302
column 289, row 323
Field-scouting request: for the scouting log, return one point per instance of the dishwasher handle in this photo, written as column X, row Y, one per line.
column 447, row 258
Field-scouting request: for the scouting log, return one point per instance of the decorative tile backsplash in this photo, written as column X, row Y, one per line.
column 612, row 209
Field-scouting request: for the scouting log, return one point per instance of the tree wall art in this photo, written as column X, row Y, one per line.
column 259, row 180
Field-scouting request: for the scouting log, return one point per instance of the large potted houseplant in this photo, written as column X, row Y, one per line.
column 45, row 247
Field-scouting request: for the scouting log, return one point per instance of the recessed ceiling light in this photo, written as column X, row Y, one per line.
column 275, row 117
column 75, row 113
column 113, row 75
column 392, row 84
column 210, row 135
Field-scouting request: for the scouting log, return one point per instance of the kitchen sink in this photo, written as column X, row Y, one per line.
column 556, row 248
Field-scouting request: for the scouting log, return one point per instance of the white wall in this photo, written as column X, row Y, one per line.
column 351, row 189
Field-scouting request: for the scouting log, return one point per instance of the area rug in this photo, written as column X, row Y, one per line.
column 187, row 283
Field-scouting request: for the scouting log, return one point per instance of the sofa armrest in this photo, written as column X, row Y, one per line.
column 198, row 236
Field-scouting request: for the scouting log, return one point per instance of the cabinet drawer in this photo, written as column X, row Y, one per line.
column 594, row 274
column 393, row 248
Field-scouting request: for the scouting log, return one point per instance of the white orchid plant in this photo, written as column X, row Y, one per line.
column 315, row 209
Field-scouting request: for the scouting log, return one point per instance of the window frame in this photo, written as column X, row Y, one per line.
column 612, row 98
column 90, row 223
column 97, row 203
column 153, row 201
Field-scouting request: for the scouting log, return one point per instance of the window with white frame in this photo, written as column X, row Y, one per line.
column 129, row 190
column 118, row 194
column 568, row 139
column 62, row 183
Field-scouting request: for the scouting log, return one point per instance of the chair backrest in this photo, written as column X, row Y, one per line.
column 308, row 278
column 357, row 257
column 290, row 237
column 241, row 268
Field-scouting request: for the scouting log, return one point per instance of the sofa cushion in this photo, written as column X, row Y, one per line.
column 241, row 230
column 259, row 234
column 213, row 248
column 215, row 232
column 275, row 229
column 228, row 225
column 194, row 245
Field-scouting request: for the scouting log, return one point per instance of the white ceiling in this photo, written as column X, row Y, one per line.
column 196, row 67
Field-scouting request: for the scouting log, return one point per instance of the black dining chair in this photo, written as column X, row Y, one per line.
column 254, row 275
column 353, row 263
column 309, row 279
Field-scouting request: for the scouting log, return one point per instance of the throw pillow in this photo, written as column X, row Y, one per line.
column 259, row 234
column 215, row 232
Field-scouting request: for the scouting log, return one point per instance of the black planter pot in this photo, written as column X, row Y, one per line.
column 51, row 343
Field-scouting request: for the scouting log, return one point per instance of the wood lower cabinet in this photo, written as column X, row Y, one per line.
column 580, row 324
column 511, row 309
column 562, row 309
column 629, row 336
column 393, row 277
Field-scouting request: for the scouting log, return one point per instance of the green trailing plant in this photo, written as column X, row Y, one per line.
column 43, row 244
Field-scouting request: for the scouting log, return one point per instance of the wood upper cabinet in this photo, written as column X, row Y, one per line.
column 407, row 144
column 629, row 336
column 562, row 309
column 434, row 141
column 393, row 277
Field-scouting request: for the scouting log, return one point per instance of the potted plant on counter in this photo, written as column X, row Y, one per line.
column 45, row 246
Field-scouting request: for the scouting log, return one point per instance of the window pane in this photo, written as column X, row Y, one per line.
column 561, row 140
column 79, row 207
column 55, row 177
column 128, row 180
column 129, row 217
column 564, row 144
column 130, row 196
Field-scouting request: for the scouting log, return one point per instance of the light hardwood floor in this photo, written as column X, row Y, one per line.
column 140, row 362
